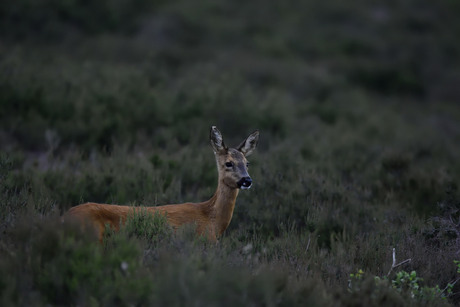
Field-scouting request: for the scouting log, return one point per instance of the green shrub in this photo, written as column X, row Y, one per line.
column 147, row 226
column 59, row 264
column 112, row 102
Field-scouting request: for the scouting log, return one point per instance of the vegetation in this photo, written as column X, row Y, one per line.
column 357, row 105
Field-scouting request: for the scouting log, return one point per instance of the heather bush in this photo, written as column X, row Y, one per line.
column 112, row 102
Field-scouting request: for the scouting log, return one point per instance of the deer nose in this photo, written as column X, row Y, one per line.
column 245, row 183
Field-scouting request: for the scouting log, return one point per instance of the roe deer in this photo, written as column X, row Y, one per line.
column 211, row 217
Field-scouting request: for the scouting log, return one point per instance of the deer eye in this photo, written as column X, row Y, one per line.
column 247, row 165
column 229, row 164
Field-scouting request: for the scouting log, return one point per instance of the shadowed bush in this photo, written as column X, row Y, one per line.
column 357, row 106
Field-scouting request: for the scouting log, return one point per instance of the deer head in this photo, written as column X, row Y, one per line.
column 232, row 164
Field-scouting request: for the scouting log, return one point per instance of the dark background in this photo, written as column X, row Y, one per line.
column 112, row 101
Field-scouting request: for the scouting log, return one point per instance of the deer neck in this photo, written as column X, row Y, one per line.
column 223, row 204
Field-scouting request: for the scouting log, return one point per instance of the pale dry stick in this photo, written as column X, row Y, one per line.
column 450, row 284
column 394, row 265
column 308, row 243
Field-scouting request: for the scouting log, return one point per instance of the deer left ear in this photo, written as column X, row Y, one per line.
column 249, row 144
column 217, row 142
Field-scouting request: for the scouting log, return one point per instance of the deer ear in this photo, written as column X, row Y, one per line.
column 217, row 142
column 249, row 144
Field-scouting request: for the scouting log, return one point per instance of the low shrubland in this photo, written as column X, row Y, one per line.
column 358, row 154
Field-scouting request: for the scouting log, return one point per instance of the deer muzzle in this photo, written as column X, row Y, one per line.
column 245, row 183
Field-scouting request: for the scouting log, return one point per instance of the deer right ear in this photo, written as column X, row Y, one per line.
column 249, row 144
column 217, row 142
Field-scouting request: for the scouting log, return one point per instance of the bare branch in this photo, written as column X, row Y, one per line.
column 450, row 284
column 308, row 243
column 394, row 264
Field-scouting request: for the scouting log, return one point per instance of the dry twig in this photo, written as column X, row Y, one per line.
column 394, row 265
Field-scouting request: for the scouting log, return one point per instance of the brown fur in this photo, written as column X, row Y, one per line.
column 211, row 217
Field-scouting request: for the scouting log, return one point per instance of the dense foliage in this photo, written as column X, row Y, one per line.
column 111, row 101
